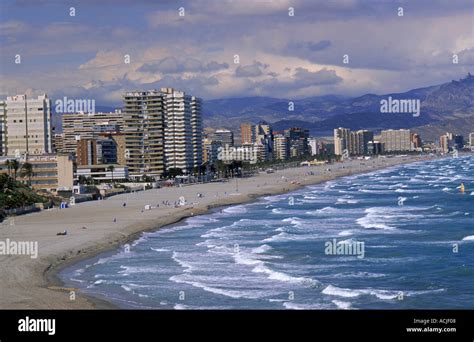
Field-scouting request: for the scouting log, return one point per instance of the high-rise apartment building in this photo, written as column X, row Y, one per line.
column 359, row 141
column 210, row 150
column 143, row 128
column 224, row 136
column 163, row 130
column 182, row 130
column 83, row 126
column 298, row 141
column 281, row 147
column 341, row 140
column 28, row 125
column 471, row 139
column 416, row 141
column 446, row 142
column 102, row 150
column 247, row 133
column 396, row 140
column 314, row 146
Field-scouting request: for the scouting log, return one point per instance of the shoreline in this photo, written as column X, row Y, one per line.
column 47, row 289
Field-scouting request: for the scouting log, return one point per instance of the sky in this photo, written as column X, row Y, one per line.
column 85, row 56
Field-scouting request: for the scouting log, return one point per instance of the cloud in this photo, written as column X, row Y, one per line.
column 252, row 70
column 173, row 65
column 305, row 77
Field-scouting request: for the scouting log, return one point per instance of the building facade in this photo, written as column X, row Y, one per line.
column 246, row 132
column 224, row 136
column 28, row 125
column 396, row 140
column 80, row 126
column 50, row 172
column 144, row 128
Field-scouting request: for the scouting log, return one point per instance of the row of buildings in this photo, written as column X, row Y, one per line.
column 259, row 143
column 364, row 142
column 156, row 131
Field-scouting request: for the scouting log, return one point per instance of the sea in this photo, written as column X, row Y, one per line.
column 412, row 222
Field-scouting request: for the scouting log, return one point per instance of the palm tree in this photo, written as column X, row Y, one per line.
column 27, row 171
column 111, row 168
column 14, row 165
column 9, row 166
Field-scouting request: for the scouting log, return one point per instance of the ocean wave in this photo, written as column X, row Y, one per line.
column 342, row 305
column 236, row 294
column 371, row 222
column 347, row 232
column 299, row 306
column 159, row 249
column 280, row 276
column 351, row 293
column 346, row 201
column 239, row 209
column 468, row 238
column 127, row 270
column 262, row 249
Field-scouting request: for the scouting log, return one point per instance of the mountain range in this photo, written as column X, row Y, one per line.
column 445, row 107
column 448, row 107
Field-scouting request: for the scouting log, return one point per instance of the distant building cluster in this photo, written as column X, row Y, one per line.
column 449, row 142
column 259, row 143
column 365, row 142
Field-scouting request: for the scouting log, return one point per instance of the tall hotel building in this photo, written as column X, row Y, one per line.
column 163, row 130
column 143, row 129
column 28, row 125
column 341, row 140
column 182, row 130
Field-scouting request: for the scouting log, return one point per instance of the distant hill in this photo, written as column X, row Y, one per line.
column 448, row 106
column 445, row 107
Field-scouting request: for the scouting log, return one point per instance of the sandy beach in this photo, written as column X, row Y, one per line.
column 31, row 283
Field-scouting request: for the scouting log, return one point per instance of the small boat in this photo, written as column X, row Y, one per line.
column 461, row 189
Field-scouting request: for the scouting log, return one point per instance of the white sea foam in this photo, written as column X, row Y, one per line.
column 239, row 209
column 280, row 276
column 342, row 305
column 159, row 249
column 299, row 306
column 262, row 249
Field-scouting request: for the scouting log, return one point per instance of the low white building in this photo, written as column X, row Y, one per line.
column 101, row 172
